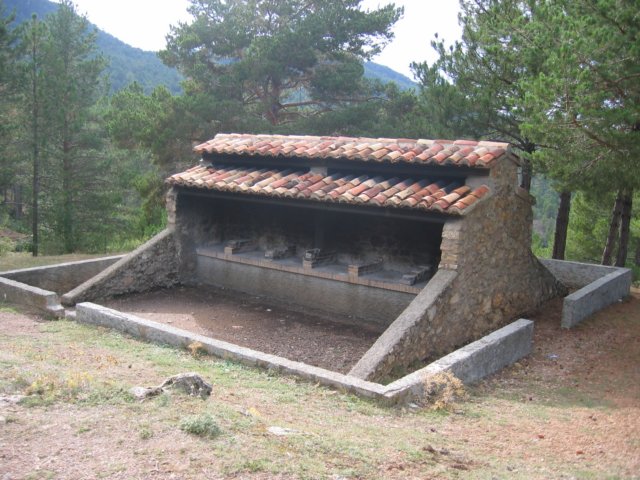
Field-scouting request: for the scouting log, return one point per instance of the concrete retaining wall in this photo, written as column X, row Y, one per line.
column 575, row 274
column 152, row 265
column 599, row 286
column 471, row 363
column 62, row 277
column 22, row 294
column 474, row 361
column 375, row 306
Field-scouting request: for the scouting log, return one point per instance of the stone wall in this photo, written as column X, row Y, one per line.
column 152, row 265
column 202, row 222
column 62, row 277
column 374, row 307
column 497, row 279
column 401, row 244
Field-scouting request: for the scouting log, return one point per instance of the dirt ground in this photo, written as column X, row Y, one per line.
column 255, row 323
column 571, row 410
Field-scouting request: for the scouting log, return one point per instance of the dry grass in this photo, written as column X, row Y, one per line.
column 571, row 410
column 16, row 260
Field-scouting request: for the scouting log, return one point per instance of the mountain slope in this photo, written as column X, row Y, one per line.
column 385, row 75
column 128, row 64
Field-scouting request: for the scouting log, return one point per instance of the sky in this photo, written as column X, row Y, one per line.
column 145, row 23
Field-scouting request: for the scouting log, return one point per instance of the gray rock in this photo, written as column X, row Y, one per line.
column 189, row 383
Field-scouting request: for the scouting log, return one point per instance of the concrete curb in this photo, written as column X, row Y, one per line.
column 599, row 286
column 596, row 296
column 23, row 294
column 472, row 362
column 475, row 361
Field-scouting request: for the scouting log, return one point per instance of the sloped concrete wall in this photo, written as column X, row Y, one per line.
column 152, row 265
column 62, row 277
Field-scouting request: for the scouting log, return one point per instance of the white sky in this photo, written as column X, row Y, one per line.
column 145, row 23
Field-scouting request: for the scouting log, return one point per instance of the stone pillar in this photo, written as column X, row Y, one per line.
column 170, row 202
column 450, row 246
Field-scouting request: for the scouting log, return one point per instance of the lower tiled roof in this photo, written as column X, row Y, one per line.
column 469, row 153
column 380, row 191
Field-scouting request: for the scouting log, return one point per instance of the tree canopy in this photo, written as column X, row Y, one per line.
column 279, row 59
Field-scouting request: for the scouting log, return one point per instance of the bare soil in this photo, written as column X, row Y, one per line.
column 256, row 323
column 571, row 410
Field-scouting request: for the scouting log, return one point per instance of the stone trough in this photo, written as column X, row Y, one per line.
column 426, row 241
column 469, row 363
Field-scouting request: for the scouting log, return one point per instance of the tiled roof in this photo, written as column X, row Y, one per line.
column 379, row 191
column 426, row 152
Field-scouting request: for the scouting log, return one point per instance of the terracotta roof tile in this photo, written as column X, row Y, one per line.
column 438, row 152
column 379, row 191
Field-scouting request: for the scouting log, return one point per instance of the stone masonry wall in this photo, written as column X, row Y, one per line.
column 497, row 279
column 152, row 265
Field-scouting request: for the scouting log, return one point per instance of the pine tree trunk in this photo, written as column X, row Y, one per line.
column 625, row 227
column 562, row 226
column 527, row 170
column 614, row 225
column 36, row 142
column 637, row 260
column 17, row 204
column 67, row 201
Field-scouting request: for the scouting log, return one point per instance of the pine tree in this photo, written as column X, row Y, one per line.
column 279, row 60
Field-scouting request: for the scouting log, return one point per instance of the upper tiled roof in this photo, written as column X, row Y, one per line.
column 426, row 152
column 379, row 191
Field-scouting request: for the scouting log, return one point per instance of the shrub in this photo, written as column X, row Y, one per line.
column 443, row 390
column 203, row 425
column 6, row 245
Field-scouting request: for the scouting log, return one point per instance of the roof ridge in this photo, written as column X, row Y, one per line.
column 479, row 154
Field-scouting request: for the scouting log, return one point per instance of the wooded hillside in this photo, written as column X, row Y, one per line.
column 91, row 126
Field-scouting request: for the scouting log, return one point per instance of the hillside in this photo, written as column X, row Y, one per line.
column 385, row 74
column 128, row 64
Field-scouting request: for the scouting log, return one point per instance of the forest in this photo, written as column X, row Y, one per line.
column 83, row 163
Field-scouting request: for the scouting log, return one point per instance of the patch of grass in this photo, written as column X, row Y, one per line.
column 255, row 466
column 145, row 432
column 40, row 475
column 203, row 425
column 6, row 308
column 18, row 260
column 83, row 429
column 336, row 434
column 71, row 387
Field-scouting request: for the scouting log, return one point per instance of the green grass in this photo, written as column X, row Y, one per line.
column 7, row 308
column 18, row 260
column 90, row 371
column 202, row 425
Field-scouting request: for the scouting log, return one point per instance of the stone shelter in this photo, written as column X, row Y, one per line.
column 426, row 240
